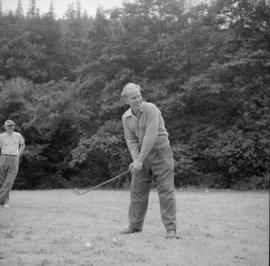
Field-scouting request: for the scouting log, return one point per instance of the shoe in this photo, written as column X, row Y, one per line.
column 170, row 234
column 130, row 231
column 6, row 205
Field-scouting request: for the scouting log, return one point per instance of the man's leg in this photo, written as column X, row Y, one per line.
column 3, row 175
column 139, row 193
column 10, row 170
column 162, row 165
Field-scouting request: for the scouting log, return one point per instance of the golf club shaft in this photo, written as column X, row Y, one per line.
column 108, row 181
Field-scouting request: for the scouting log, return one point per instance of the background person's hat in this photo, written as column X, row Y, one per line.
column 9, row 123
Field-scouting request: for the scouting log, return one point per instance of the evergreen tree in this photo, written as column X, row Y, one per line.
column 70, row 13
column 38, row 12
column 19, row 9
column 78, row 9
column 85, row 14
column 1, row 8
column 51, row 10
column 32, row 10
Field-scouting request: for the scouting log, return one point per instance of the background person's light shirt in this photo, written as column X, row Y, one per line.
column 10, row 144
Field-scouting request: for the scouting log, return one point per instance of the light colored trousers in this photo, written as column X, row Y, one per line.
column 9, row 166
column 160, row 165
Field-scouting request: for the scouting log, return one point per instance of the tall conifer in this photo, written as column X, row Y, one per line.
column 19, row 9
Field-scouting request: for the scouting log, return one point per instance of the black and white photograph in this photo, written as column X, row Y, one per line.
column 134, row 132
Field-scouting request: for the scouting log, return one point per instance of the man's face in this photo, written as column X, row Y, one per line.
column 9, row 128
column 134, row 99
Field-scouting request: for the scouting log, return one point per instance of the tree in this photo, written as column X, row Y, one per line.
column 78, row 9
column 234, row 92
column 1, row 12
column 70, row 12
column 32, row 10
column 19, row 9
column 51, row 13
column 205, row 66
column 85, row 14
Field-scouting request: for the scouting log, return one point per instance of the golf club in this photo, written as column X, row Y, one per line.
column 77, row 191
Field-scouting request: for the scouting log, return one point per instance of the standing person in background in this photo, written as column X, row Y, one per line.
column 147, row 140
column 12, row 146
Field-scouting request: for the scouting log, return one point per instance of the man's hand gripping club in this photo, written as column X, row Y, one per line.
column 135, row 166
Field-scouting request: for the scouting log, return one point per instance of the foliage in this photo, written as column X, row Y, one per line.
column 205, row 66
column 107, row 147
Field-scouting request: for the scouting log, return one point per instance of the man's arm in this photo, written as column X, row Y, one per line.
column 21, row 149
column 21, row 145
column 132, row 141
column 151, row 132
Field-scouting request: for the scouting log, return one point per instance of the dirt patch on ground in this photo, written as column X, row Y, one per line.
column 57, row 228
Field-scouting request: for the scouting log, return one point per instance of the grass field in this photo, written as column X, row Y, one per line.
column 52, row 228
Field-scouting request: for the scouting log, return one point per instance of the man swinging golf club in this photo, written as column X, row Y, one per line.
column 147, row 140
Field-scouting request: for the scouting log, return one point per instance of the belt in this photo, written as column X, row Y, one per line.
column 9, row 155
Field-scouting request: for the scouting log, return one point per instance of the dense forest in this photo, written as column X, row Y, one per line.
column 206, row 66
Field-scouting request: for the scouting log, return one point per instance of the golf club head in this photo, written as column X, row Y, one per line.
column 76, row 191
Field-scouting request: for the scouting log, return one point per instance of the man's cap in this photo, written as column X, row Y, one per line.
column 9, row 123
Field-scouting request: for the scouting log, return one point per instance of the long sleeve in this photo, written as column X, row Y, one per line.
column 132, row 141
column 151, row 132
